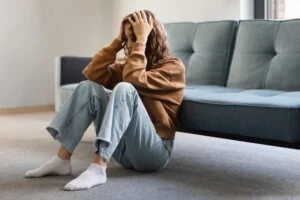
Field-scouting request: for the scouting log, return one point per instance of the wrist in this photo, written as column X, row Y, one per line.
column 141, row 40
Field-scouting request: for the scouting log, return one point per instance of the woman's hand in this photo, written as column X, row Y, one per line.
column 142, row 26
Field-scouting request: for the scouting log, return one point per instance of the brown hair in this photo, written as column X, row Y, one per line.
column 157, row 50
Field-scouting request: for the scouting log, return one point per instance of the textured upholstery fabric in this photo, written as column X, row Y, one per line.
column 205, row 49
column 234, row 96
column 180, row 36
column 284, row 70
column 266, row 56
column 264, row 114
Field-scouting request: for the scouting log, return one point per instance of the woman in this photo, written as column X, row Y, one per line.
column 135, row 123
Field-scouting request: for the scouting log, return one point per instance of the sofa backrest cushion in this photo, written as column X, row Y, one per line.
column 266, row 55
column 180, row 38
column 205, row 48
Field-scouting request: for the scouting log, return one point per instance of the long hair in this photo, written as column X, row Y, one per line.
column 157, row 51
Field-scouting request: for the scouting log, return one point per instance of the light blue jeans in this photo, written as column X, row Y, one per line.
column 123, row 128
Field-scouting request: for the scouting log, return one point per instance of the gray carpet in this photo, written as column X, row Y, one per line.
column 201, row 168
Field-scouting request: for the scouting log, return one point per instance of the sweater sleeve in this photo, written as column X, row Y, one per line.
column 100, row 70
column 167, row 77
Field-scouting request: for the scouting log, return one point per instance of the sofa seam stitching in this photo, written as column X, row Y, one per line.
column 231, row 51
column 268, row 67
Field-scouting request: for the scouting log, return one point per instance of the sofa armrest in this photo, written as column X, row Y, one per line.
column 68, row 70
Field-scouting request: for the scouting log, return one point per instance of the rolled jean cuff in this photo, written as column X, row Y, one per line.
column 100, row 146
column 103, row 155
column 59, row 137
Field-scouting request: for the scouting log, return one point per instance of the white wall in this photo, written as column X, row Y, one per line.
column 178, row 10
column 33, row 32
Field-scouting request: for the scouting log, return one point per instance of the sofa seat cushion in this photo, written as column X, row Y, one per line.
column 265, row 114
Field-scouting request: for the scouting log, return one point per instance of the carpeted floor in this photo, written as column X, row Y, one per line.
column 201, row 168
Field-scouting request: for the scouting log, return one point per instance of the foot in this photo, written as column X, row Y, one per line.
column 55, row 166
column 94, row 175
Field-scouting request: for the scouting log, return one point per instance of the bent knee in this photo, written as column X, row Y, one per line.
column 124, row 87
column 86, row 84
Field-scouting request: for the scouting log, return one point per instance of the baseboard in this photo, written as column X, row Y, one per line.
column 27, row 109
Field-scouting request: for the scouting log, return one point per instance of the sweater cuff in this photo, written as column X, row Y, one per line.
column 139, row 47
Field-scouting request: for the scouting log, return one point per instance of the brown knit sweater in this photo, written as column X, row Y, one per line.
column 160, row 89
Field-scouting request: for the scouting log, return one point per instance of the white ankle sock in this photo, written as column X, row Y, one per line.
column 55, row 166
column 92, row 176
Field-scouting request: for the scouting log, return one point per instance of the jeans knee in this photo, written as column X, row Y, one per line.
column 83, row 85
column 124, row 87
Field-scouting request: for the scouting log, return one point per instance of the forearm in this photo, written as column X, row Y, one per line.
column 135, row 68
column 167, row 77
column 106, row 56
